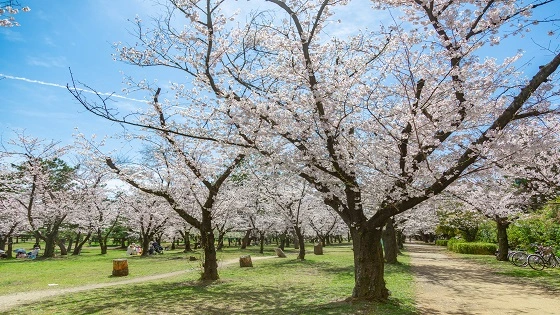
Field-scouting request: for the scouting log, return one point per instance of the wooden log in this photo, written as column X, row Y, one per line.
column 279, row 252
column 120, row 267
column 318, row 249
column 245, row 261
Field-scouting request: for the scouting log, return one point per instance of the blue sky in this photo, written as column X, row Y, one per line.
column 53, row 37
column 57, row 35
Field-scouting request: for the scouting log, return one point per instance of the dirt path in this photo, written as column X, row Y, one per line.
column 448, row 285
column 10, row 301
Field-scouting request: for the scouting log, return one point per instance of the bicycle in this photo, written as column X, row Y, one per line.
column 519, row 258
column 543, row 258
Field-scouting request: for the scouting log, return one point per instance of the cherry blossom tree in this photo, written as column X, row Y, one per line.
column 8, row 10
column 378, row 121
column 101, row 208
column 186, row 176
column 12, row 218
column 145, row 214
column 45, row 181
column 291, row 199
column 392, row 120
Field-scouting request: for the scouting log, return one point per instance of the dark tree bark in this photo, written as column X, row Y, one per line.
column 221, row 240
column 368, row 265
column 10, row 248
column 390, row 242
column 207, row 242
column 503, row 245
column 400, row 239
column 80, row 244
column 246, row 239
column 301, row 241
column 187, row 240
column 62, row 246
column 50, row 245
column 282, row 241
column 261, row 240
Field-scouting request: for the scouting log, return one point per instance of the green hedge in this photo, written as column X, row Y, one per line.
column 475, row 248
column 441, row 242
column 452, row 242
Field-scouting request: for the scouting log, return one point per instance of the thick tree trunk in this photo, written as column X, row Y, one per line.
column 187, row 239
column 503, row 244
column 50, row 245
column 221, row 240
column 261, row 240
column 368, row 265
column 246, row 239
column 10, row 248
column 210, row 262
column 389, row 237
column 301, row 242
column 70, row 244
column 400, row 240
column 146, row 244
column 282, row 241
column 62, row 246
column 103, row 245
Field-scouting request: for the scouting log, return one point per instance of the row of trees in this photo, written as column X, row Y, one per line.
column 538, row 226
column 67, row 206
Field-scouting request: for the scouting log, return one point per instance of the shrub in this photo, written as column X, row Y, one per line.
column 475, row 248
column 487, row 232
column 452, row 242
column 441, row 242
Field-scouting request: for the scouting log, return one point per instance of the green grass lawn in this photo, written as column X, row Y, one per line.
column 318, row 285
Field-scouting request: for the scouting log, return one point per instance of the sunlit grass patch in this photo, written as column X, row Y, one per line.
column 318, row 285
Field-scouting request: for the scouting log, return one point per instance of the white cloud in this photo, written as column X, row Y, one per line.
column 64, row 87
column 48, row 62
column 11, row 35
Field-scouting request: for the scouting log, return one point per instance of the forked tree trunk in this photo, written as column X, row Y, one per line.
column 62, row 246
column 80, row 244
column 102, row 242
column 368, row 265
column 50, row 245
column 503, row 244
column 389, row 237
column 70, row 244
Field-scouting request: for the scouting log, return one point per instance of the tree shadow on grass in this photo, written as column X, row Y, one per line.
column 196, row 297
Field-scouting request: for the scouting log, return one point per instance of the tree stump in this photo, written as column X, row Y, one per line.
column 120, row 267
column 318, row 249
column 280, row 252
column 245, row 261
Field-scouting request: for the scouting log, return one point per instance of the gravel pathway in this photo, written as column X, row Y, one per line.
column 450, row 285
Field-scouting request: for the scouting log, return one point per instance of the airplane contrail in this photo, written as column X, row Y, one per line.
column 64, row 87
